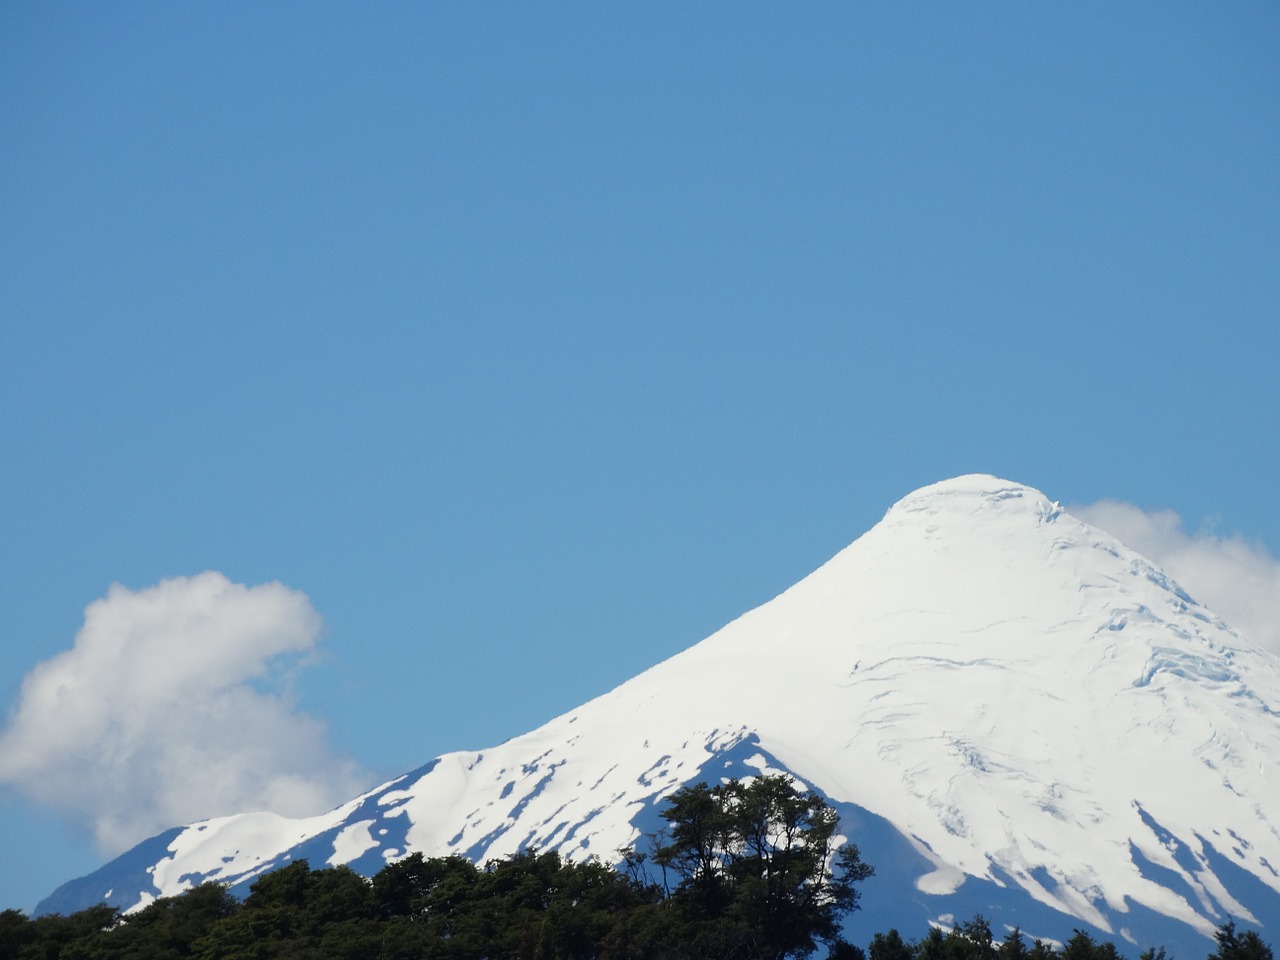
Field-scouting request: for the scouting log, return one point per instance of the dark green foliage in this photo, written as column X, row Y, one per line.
column 843, row 950
column 409, row 887
column 528, row 907
column 54, row 936
column 298, row 912
column 15, row 933
column 970, row 941
column 974, row 941
column 932, row 946
column 1239, row 946
column 751, row 874
column 889, row 946
column 1079, row 947
column 1013, row 947
column 165, row 929
column 758, row 870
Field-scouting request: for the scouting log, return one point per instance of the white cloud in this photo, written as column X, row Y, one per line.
column 1238, row 580
column 169, row 709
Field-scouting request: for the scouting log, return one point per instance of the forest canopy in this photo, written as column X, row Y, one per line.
column 742, row 871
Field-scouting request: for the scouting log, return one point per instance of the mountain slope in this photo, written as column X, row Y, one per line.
column 1019, row 711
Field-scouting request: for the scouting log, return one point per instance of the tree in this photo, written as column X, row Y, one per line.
column 168, row 927
column 16, row 932
column 760, row 870
column 972, row 940
column 1081, row 946
column 932, row 946
column 1013, row 947
column 1239, row 946
column 888, row 946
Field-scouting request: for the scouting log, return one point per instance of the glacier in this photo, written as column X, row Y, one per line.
column 1014, row 714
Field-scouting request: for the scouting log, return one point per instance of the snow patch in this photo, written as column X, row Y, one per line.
column 351, row 841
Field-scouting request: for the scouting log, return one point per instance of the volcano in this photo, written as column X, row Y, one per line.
column 1014, row 714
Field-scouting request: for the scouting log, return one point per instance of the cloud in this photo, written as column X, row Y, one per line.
column 169, row 708
column 1238, row 580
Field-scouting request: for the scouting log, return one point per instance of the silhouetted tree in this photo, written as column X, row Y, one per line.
column 889, row 946
column 759, row 871
column 1239, row 946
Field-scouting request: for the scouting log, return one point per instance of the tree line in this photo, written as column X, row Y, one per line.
column 743, row 871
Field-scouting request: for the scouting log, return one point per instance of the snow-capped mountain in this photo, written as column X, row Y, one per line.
column 1015, row 714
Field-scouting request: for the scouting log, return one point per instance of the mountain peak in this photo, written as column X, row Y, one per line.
column 973, row 484
column 976, row 494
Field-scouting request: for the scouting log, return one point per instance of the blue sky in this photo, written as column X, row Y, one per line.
column 527, row 346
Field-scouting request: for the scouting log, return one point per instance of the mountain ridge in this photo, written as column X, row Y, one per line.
column 1031, row 706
